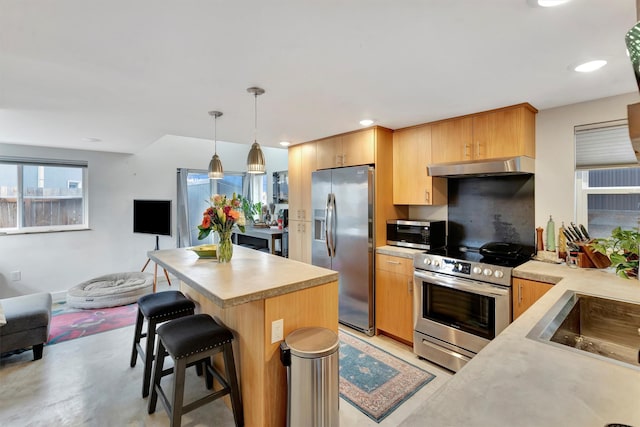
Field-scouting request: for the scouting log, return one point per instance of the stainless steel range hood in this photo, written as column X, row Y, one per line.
column 493, row 167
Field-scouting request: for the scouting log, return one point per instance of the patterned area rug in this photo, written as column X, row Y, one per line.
column 68, row 323
column 374, row 381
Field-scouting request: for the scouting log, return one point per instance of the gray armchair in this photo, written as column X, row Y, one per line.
column 27, row 323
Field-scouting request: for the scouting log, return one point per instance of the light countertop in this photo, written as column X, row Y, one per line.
column 251, row 275
column 263, row 232
column 517, row 381
column 398, row 251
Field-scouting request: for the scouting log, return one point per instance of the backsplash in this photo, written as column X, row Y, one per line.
column 491, row 209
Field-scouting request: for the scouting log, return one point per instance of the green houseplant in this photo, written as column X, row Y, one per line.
column 622, row 250
column 250, row 209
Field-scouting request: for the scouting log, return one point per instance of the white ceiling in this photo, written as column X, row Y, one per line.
column 129, row 72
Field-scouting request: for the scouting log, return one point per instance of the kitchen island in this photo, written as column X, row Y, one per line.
column 518, row 381
column 247, row 295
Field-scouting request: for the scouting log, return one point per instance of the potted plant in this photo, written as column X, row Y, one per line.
column 250, row 209
column 622, row 250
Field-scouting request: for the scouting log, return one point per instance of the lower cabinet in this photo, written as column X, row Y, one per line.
column 394, row 297
column 526, row 293
column 300, row 241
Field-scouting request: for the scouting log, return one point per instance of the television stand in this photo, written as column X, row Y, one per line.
column 155, row 269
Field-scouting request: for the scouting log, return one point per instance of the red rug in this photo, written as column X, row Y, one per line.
column 70, row 323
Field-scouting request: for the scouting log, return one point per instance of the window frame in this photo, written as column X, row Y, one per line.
column 20, row 162
column 583, row 191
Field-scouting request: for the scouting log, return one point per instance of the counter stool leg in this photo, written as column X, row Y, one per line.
column 151, row 337
column 157, row 376
column 208, row 368
column 178, row 392
column 136, row 338
column 230, row 368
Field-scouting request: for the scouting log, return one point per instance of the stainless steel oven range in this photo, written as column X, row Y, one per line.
column 462, row 301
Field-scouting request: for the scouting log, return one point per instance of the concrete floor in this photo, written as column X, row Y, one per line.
column 88, row 382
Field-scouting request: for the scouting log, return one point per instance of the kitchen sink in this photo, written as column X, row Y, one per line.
column 605, row 328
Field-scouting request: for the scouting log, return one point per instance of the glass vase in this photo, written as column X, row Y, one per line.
column 225, row 248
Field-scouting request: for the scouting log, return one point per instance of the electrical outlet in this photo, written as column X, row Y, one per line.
column 277, row 330
column 16, row 275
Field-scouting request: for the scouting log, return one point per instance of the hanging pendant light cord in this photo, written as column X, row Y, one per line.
column 255, row 112
column 215, row 135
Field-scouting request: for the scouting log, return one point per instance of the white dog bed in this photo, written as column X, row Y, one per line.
column 110, row 290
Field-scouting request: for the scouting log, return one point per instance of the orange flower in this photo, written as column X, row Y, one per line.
column 234, row 214
column 206, row 221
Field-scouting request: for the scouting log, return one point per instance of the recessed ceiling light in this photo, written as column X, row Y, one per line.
column 590, row 66
column 285, row 143
column 90, row 139
column 546, row 3
column 366, row 122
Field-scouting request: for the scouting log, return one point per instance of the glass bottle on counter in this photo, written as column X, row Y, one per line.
column 562, row 243
column 551, row 235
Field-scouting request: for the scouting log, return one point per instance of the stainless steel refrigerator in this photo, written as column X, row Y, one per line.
column 343, row 236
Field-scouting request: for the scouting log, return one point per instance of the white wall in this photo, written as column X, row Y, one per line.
column 54, row 262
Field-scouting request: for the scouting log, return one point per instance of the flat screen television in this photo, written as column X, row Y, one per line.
column 152, row 217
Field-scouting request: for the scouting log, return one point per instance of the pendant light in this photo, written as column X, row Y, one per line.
column 215, row 165
column 255, row 159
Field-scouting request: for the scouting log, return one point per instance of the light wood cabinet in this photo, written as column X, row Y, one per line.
column 350, row 149
column 394, row 297
column 411, row 155
column 451, row 140
column 302, row 162
column 525, row 293
column 300, row 241
column 494, row 134
column 504, row 133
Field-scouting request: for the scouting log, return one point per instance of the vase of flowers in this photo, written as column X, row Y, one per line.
column 622, row 249
column 221, row 217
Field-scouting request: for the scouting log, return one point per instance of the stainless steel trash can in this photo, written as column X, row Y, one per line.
column 312, row 361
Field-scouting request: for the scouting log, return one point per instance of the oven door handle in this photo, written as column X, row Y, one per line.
column 463, row 284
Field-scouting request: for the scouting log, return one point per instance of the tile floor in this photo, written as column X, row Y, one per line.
column 88, row 382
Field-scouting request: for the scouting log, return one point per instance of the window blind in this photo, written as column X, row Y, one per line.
column 605, row 145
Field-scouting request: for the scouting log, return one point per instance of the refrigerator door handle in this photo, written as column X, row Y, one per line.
column 327, row 225
column 333, row 224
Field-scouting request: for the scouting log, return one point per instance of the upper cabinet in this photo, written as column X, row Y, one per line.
column 411, row 155
column 504, row 132
column 451, row 140
column 302, row 161
column 350, row 149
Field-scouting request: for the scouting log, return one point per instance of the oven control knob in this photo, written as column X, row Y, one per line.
column 477, row 270
column 427, row 261
column 487, row 272
column 436, row 263
column 499, row 274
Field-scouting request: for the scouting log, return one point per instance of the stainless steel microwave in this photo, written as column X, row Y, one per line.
column 416, row 234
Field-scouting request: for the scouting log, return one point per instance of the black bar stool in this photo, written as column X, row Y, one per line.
column 156, row 308
column 192, row 340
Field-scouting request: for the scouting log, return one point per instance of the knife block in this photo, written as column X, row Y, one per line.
column 581, row 260
column 596, row 259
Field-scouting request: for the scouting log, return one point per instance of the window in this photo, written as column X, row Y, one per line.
column 42, row 195
column 199, row 189
column 194, row 192
column 607, row 188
